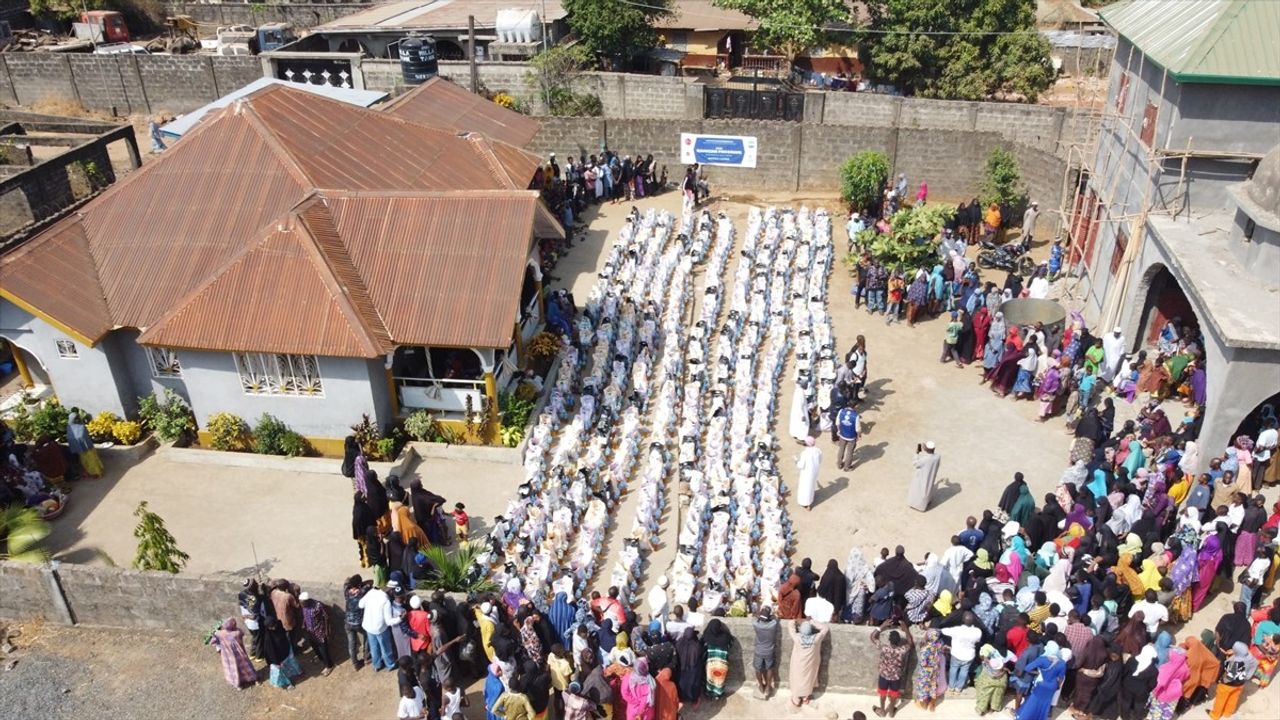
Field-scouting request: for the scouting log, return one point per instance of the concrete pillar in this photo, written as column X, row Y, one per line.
column 23, row 371
column 491, row 391
column 391, row 387
column 693, row 99
column 815, row 104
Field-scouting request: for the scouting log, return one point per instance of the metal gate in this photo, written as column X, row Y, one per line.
column 752, row 104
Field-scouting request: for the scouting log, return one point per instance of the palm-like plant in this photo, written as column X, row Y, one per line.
column 458, row 571
column 21, row 530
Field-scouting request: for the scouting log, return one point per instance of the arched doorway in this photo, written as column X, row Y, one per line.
column 1164, row 301
column 23, row 358
column 1263, row 416
column 1254, row 422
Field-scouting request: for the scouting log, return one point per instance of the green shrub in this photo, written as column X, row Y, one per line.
column 862, row 178
column 1002, row 181
column 515, row 411
column 268, row 435
column 294, row 445
column 228, row 432
column 170, row 419
column 422, row 426
column 387, row 448
column 910, row 240
column 157, row 548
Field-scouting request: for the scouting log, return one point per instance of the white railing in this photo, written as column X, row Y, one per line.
column 440, row 393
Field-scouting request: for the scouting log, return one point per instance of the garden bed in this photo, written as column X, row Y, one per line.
column 320, row 465
column 130, row 453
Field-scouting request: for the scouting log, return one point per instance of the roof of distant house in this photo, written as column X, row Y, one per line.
column 1204, row 41
column 442, row 14
column 442, row 103
column 363, row 98
column 291, row 223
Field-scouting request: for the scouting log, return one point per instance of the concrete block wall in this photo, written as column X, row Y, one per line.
column 123, row 84
column 849, row 658
column 25, row 592
column 564, row 135
column 826, row 147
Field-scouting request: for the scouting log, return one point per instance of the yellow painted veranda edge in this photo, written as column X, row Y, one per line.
column 45, row 317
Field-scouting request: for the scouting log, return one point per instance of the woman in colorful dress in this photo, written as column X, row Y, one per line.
column 237, row 668
column 716, row 640
column 79, row 442
column 279, row 653
column 928, row 685
column 1168, row 690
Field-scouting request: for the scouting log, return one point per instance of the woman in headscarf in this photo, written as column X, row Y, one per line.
column 278, row 652
column 561, row 614
column 834, row 588
column 1137, row 457
column 692, row 673
column 981, row 327
column 362, row 519
column 1133, row 634
column 716, row 640
column 1168, row 688
column 606, row 640
column 1207, row 562
column 1123, row 519
column 917, row 296
column 639, row 690
column 1005, row 373
column 987, row 612
column 529, row 640
column 1105, row 700
column 882, row 604
column 806, row 659
column 932, row 574
column 1048, row 390
column 1238, row 669
column 1091, row 665
column 991, row 680
column 860, row 581
column 513, row 597
column 1150, row 575
column 929, row 682
column 1203, row 667
column 789, row 598
column 1183, row 575
column 1023, row 507
column 993, row 348
column 1140, row 673
column 79, row 443
column 493, row 689
column 1011, row 493
column 375, row 555
column 1051, row 670
column 666, row 697
column 237, row 668
column 966, row 339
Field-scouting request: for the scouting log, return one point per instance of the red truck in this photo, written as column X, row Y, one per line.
column 110, row 24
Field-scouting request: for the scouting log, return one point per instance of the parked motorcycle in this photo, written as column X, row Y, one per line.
column 1013, row 257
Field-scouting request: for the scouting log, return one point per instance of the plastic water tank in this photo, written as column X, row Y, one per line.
column 517, row 25
column 418, row 62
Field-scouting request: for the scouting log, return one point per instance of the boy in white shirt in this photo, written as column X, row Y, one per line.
column 410, row 703
column 1153, row 613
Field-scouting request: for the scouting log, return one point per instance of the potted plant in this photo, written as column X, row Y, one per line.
column 542, row 350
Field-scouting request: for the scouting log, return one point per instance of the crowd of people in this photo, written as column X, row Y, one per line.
column 39, row 474
column 585, row 180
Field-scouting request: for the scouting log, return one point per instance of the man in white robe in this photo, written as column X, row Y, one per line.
column 809, row 462
column 1113, row 347
column 926, row 477
column 799, row 423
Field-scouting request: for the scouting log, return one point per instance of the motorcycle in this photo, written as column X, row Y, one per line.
column 1013, row 257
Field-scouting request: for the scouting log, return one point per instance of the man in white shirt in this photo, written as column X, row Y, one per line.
column 677, row 623
column 964, row 648
column 658, row 601
column 1263, row 448
column 1153, row 613
column 377, row 622
column 410, row 703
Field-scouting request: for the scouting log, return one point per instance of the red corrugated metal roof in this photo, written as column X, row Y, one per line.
column 442, row 103
column 161, row 244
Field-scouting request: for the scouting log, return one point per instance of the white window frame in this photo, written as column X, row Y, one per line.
column 164, row 362
column 279, row 374
column 67, row 349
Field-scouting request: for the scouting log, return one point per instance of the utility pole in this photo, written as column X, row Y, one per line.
column 471, row 53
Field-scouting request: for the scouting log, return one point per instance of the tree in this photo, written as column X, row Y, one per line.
column 1002, row 180
column 21, row 530
column 157, row 548
column 790, row 26
column 862, row 177
column 554, row 72
column 613, row 28
column 963, row 60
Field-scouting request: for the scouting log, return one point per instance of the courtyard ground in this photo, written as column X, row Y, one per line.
column 59, row 673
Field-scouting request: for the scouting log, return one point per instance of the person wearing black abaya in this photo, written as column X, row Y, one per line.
column 808, row 579
column 362, row 518
column 1234, row 627
column 691, row 674
column 834, row 588
column 966, row 340
column 1104, row 703
column 375, row 555
column 350, row 449
column 377, row 495
column 1136, row 686
column 1090, row 426
column 426, row 511
column 1009, row 497
column 898, row 570
column 1107, row 418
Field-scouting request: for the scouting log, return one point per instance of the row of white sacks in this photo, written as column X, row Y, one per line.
column 583, row 448
column 737, row 517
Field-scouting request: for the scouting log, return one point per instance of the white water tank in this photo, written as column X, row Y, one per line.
column 518, row 25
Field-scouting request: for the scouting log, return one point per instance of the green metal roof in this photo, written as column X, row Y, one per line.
column 1205, row 41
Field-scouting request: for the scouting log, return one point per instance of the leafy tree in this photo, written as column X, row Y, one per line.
column 862, row 177
column 21, row 530
column 616, row 29
column 554, row 72
column 793, row 26
column 1002, row 180
column 157, row 548
column 962, row 62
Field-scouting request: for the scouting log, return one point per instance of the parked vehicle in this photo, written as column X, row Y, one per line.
column 122, row 48
column 102, row 26
column 1013, row 256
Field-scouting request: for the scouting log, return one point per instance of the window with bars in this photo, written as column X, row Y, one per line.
column 67, row 349
column 279, row 374
column 164, row 362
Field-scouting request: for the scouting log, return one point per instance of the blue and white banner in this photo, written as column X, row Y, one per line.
column 728, row 150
